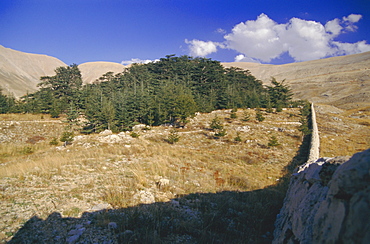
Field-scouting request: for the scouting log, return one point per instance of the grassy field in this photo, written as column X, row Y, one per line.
column 235, row 180
column 343, row 132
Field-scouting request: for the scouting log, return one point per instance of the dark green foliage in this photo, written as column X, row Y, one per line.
column 273, row 142
column 134, row 134
column 64, row 85
column 168, row 91
column 279, row 107
column 173, row 137
column 27, row 150
column 217, row 127
column 67, row 137
column 216, row 124
column 233, row 114
column 305, row 120
column 7, row 103
column 54, row 142
column 238, row 138
column 259, row 116
column 246, row 116
column 280, row 94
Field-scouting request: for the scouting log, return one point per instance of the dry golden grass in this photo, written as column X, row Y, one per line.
column 209, row 164
column 344, row 132
column 92, row 170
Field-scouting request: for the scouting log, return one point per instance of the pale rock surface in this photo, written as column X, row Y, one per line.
column 144, row 196
column 328, row 201
column 106, row 132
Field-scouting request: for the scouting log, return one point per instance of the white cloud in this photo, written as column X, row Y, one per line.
column 263, row 39
column 333, row 27
column 350, row 20
column 351, row 48
column 201, row 48
column 256, row 38
column 138, row 61
column 353, row 18
column 306, row 40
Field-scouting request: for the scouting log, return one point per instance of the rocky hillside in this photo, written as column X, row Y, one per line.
column 341, row 81
column 328, row 201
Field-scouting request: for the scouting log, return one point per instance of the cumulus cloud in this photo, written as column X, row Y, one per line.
column 201, row 48
column 350, row 20
column 138, row 61
column 263, row 39
column 333, row 27
column 351, row 48
column 256, row 38
column 305, row 40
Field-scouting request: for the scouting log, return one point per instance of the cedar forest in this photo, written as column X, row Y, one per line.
column 167, row 91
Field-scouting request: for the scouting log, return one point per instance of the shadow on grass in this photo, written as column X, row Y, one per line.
column 223, row 217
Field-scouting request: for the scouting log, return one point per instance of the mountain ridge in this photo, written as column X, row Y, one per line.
column 342, row 81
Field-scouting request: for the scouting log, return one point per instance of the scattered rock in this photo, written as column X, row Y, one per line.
column 139, row 127
column 106, row 133
column 144, row 196
column 101, row 206
column 110, row 139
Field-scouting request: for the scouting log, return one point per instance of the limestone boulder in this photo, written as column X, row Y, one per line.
column 327, row 202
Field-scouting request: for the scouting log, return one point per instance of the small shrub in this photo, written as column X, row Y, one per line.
column 173, row 137
column 134, row 135
column 67, row 137
column 273, row 142
column 238, row 138
column 54, row 142
column 259, row 116
column 27, row 150
column 216, row 124
column 233, row 113
column 247, row 116
column 217, row 127
column 220, row 133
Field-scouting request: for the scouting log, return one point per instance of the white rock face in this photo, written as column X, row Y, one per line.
column 145, row 196
column 327, row 202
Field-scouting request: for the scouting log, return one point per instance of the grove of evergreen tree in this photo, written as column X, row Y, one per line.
column 167, row 91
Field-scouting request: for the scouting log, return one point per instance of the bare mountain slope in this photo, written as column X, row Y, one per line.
column 20, row 72
column 93, row 70
column 339, row 81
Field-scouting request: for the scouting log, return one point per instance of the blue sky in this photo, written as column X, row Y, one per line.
column 266, row 31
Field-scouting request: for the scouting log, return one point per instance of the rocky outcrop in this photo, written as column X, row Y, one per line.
column 328, row 201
